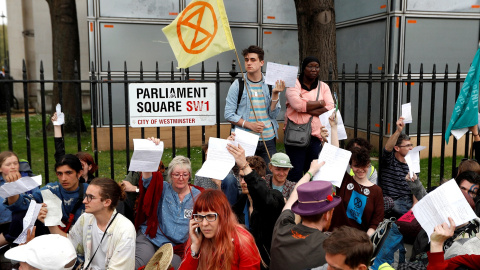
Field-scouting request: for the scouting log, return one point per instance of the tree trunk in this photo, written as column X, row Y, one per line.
column 316, row 34
column 66, row 50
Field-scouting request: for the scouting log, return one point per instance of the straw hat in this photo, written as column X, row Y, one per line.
column 161, row 259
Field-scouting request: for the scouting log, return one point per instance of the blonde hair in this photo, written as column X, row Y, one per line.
column 179, row 161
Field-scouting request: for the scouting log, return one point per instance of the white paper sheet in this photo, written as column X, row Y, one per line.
column 54, row 208
column 281, row 72
column 336, row 162
column 458, row 133
column 407, row 113
column 413, row 159
column 20, row 186
column 445, row 201
column 146, row 156
column 247, row 140
column 342, row 133
column 219, row 161
column 28, row 221
column 60, row 116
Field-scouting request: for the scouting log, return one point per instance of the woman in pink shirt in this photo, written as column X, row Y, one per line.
column 302, row 104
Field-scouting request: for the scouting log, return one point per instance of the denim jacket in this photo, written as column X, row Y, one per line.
column 243, row 111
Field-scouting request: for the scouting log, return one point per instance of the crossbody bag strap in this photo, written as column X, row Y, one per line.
column 318, row 94
column 104, row 233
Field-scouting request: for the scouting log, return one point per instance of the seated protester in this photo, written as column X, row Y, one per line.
column 280, row 165
column 102, row 235
column 88, row 164
column 216, row 240
column 367, row 214
column 229, row 185
column 468, row 165
column 299, row 246
column 259, row 206
column 436, row 260
column 347, row 248
column 360, row 142
column 164, row 210
column 394, row 170
column 67, row 188
column 461, row 233
column 53, row 252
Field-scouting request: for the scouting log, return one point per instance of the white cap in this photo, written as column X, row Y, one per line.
column 46, row 252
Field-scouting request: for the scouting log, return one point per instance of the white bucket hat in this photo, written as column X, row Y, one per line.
column 46, row 252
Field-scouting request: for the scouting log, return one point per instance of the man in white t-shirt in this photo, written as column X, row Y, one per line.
column 104, row 237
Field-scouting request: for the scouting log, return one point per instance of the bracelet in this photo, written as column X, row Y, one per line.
column 475, row 134
column 243, row 124
column 244, row 166
column 311, row 175
column 275, row 99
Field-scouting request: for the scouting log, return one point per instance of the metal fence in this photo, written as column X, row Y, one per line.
column 394, row 89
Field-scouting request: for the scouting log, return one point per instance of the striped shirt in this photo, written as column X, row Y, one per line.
column 258, row 103
column 392, row 177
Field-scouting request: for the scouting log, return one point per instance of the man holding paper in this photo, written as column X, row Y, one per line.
column 257, row 110
column 395, row 169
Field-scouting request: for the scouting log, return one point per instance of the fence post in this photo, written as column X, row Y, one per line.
column 409, row 86
column 430, row 135
column 187, row 71
column 420, row 105
column 78, row 103
column 454, row 154
column 110, row 122
column 355, row 114
column 44, row 126
column 202, row 78
column 172, row 77
column 93, row 93
column 127, row 114
column 9, row 107
column 27, row 115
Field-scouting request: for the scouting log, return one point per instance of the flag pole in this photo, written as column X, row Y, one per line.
column 250, row 98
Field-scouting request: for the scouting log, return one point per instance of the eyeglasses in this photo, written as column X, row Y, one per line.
column 208, row 217
column 177, row 175
column 89, row 197
column 313, row 68
column 408, row 145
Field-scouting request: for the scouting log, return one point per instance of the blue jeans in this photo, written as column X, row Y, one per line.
column 230, row 188
column 402, row 205
column 301, row 157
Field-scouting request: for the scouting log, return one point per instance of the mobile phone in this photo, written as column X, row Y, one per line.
column 197, row 231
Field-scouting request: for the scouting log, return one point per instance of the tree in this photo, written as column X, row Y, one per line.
column 316, row 33
column 66, row 51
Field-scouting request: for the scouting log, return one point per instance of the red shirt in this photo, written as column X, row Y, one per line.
column 437, row 262
column 246, row 257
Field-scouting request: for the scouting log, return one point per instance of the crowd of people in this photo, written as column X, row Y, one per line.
column 266, row 214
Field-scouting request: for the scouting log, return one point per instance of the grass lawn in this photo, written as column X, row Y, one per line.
column 119, row 157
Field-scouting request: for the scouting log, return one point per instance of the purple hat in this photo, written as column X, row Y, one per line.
column 314, row 198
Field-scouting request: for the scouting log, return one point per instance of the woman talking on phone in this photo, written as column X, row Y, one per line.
column 217, row 240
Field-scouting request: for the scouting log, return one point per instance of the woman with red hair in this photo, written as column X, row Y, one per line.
column 217, row 240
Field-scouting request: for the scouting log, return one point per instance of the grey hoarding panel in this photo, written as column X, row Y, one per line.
column 348, row 10
column 425, row 106
column 90, row 8
column 394, row 43
column 133, row 43
column 281, row 46
column 279, row 12
column 436, row 41
column 348, row 118
column 240, row 11
column 444, row 5
column 362, row 44
column 165, row 9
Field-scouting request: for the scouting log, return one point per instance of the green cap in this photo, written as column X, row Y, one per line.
column 281, row 160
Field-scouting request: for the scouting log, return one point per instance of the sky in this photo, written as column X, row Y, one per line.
column 3, row 9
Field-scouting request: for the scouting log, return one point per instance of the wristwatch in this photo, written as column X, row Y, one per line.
column 137, row 190
column 194, row 254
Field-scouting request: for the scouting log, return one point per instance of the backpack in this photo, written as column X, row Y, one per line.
column 387, row 245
